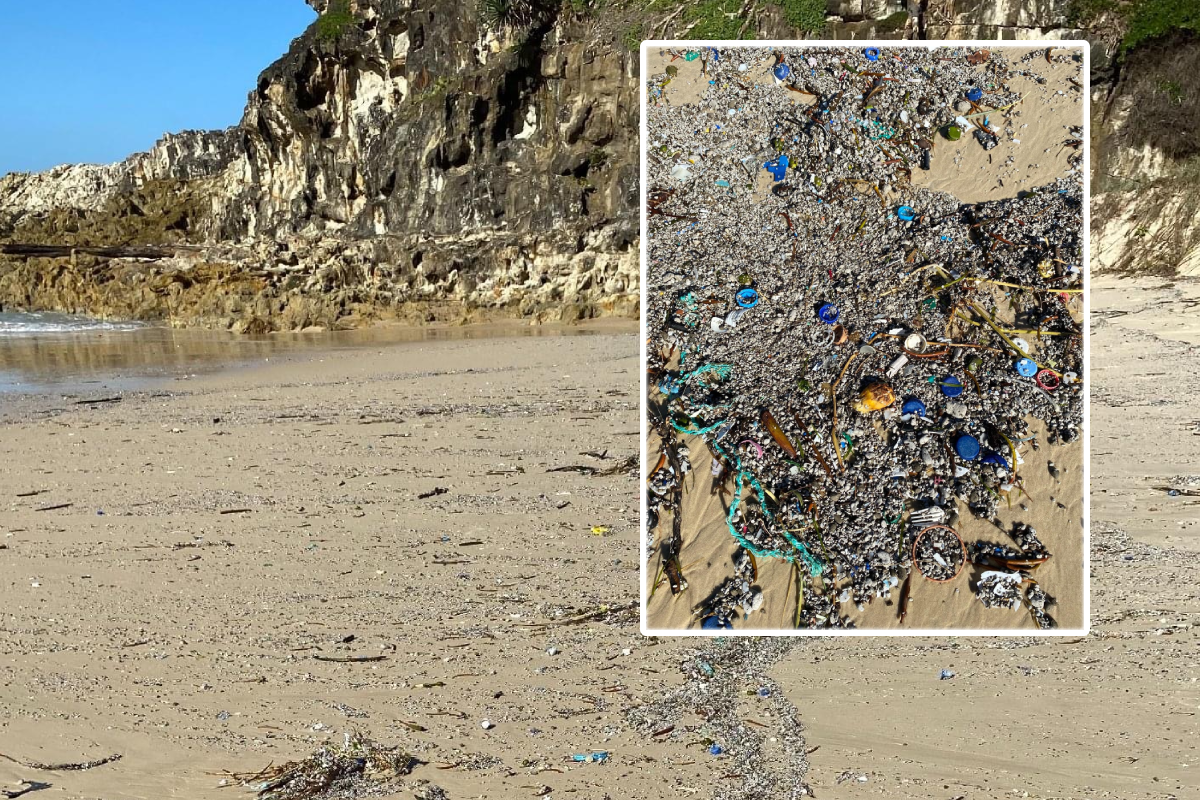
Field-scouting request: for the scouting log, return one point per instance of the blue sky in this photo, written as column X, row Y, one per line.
column 87, row 81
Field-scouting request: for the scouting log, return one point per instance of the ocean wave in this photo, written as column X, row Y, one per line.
column 36, row 324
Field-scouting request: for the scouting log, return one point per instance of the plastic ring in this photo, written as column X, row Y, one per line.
column 1048, row 379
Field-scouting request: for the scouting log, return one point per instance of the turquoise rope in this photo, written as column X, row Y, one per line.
column 723, row 371
column 815, row 567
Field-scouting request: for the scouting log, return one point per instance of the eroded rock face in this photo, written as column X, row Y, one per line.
column 420, row 167
column 418, row 162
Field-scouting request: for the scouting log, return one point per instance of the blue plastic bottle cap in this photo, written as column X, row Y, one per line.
column 1026, row 368
column 913, row 406
column 951, row 386
column 828, row 313
column 992, row 457
column 872, row 53
column 782, row 71
column 974, row 94
column 747, row 298
column 713, row 623
column 967, row 447
column 906, row 213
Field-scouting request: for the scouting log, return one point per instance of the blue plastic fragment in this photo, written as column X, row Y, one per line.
column 872, row 53
column 782, row 71
column 974, row 94
column 906, row 213
column 992, row 457
column 777, row 168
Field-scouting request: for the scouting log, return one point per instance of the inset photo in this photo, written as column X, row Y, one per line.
column 864, row 324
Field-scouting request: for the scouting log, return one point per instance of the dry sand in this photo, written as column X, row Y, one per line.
column 1041, row 124
column 1145, row 421
column 143, row 655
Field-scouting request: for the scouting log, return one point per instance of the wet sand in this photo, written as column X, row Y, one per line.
column 148, row 355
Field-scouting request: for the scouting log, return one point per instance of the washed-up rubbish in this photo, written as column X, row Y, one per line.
column 747, row 298
column 875, row 397
column 837, row 411
column 777, row 167
column 681, row 172
column 1026, row 367
column 782, row 71
column 1048, row 379
column 871, row 53
column 359, row 767
column 967, row 447
column 939, row 553
column 594, row 757
column 946, row 675
column 974, row 94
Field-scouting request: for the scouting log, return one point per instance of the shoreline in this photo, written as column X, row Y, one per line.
column 154, row 356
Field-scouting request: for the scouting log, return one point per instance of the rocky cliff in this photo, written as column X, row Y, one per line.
column 417, row 163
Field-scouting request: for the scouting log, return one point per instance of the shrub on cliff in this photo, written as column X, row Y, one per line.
column 334, row 22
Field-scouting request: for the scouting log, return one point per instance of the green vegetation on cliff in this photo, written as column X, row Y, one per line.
column 334, row 22
column 1138, row 21
column 1151, row 19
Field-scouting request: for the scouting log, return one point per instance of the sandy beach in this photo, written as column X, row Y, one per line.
column 184, row 638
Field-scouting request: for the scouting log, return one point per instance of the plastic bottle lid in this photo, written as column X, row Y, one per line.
column 913, row 406
column 747, row 298
column 975, row 94
column 906, row 213
column 713, row 623
column 967, row 447
column 782, row 71
column 828, row 313
column 872, row 53
column 953, row 133
column 1026, row 368
column 951, row 386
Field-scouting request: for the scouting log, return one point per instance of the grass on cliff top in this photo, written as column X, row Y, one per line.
column 699, row 19
column 1141, row 21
